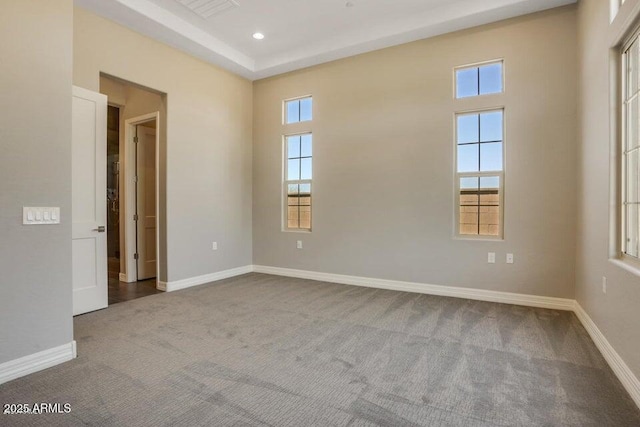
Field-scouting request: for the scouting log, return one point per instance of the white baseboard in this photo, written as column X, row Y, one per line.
column 36, row 362
column 619, row 367
column 122, row 277
column 422, row 288
column 206, row 278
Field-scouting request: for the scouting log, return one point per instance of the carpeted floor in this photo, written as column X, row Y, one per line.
column 271, row 351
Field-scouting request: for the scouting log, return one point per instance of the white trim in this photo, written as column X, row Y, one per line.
column 37, row 361
column 206, row 278
column 130, row 195
column 423, row 288
column 617, row 364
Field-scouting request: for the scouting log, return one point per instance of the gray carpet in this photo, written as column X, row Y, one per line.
column 271, row 351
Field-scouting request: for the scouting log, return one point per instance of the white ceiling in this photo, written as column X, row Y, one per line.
column 301, row 33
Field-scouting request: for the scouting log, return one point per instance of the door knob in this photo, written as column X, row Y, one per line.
column 100, row 229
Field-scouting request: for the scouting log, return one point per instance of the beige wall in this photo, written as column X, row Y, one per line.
column 383, row 161
column 134, row 102
column 35, row 170
column 616, row 313
column 208, row 146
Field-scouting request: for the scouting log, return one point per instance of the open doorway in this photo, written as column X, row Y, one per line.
column 133, row 141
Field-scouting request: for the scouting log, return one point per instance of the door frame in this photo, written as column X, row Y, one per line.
column 131, row 268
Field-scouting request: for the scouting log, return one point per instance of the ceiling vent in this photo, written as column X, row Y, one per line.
column 209, row 8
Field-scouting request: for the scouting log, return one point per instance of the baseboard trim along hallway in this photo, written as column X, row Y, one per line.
column 36, row 362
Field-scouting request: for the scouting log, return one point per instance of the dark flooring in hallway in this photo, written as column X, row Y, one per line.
column 122, row 291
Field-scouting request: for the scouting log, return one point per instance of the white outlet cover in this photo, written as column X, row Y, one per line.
column 299, row 244
column 491, row 258
column 214, row 246
column 509, row 258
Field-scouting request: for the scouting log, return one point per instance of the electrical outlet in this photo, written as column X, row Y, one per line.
column 491, row 258
column 214, row 246
column 509, row 258
column 604, row 285
column 299, row 244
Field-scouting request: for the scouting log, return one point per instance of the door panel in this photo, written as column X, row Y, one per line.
column 89, row 201
column 146, row 203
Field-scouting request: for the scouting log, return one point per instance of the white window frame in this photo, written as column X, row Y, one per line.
column 478, row 65
column 622, row 158
column 459, row 175
column 286, row 183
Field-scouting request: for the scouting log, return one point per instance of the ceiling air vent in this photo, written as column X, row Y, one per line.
column 209, row 8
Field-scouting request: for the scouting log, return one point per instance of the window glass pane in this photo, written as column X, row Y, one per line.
column 306, row 169
column 292, row 195
column 468, row 128
column 491, row 156
column 469, row 183
column 468, row 158
column 467, row 82
column 631, row 245
column 491, row 126
column 305, row 109
column 306, row 145
column 293, row 146
column 489, row 182
column 469, row 220
column 293, row 111
column 305, row 189
column 305, row 217
column 632, row 119
column 293, row 170
column 491, row 78
column 633, row 163
column 489, row 221
column 293, row 213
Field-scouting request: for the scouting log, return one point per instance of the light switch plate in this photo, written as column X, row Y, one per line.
column 299, row 244
column 40, row 215
column 491, row 258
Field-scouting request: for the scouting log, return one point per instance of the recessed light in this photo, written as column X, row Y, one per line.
column 258, row 36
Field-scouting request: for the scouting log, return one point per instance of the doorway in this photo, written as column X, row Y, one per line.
column 143, row 185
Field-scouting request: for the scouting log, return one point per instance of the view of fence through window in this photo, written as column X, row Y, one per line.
column 479, row 167
column 299, row 175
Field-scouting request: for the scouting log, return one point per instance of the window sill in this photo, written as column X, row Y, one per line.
column 626, row 265
column 296, row 231
column 479, row 239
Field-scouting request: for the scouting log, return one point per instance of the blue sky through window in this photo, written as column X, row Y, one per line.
column 482, row 80
column 480, row 142
column 299, row 110
column 299, row 161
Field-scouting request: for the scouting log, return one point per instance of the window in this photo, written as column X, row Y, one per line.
column 477, row 80
column 480, row 173
column 615, row 6
column 298, row 110
column 630, row 167
column 298, row 161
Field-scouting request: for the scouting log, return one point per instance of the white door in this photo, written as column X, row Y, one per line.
column 146, row 200
column 89, row 201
